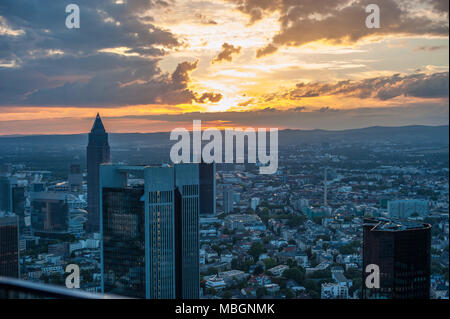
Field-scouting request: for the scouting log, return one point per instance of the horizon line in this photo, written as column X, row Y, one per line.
column 284, row 129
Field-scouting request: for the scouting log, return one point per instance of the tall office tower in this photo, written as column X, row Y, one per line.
column 207, row 173
column 9, row 246
column 49, row 213
column 228, row 200
column 97, row 153
column 75, row 178
column 187, row 249
column 150, row 246
column 402, row 251
column 12, row 199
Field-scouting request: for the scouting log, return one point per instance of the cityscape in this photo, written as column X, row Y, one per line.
column 208, row 158
column 222, row 231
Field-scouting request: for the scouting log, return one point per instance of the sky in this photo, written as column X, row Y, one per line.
column 154, row 65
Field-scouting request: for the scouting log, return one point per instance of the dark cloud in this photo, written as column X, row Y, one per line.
column 384, row 88
column 246, row 103
column 59, row 66
column 133, row 81
column 339, row 21
column 204, row 19
column 212, row 97
column 430, row 48
column 226, row 54
column 269, row 49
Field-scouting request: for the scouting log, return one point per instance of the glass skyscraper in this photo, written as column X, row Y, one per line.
column 9, row 246
column 124, row 241
column 402, row 251
column 207, row 188
column 49, row 213
column 153, row 226
column 12, row 199
column 98, row 152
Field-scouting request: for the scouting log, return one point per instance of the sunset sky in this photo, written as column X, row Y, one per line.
column 152, row 65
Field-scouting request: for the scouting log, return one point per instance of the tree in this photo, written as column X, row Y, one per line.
column 294, row 274
column 296, row 220
column 269, row 263
column 217, row 249
column 256, row 249
column 258, row 270
column 346, row 249
column 313, row 288
column 291, row 263
column 289, row 294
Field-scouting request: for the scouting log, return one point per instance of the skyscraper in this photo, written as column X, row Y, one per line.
column 228, row 201
column 402, row 251
column 207, row 173
column 9, row 247
column 187, row 249
column 98, row 152
column 150, row 245
column 75, row 178
column 405, row 208
column 49, row 213
column 12, row 199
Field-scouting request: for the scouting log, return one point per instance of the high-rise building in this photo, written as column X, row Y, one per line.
column 405, row 208
column 228, row 201
column 49, row 213
column 150, row 231
column 12, row 198
column 187, row 247
column 254, row 203
column 207, row 173
column 98, row 152
column 75, row 178
column 9, row 245
column 402, row 251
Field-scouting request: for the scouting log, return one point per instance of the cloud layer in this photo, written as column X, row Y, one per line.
column 343, row 21
column 111, row 60
column 383, row 88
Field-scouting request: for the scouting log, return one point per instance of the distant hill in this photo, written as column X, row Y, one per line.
column 414, row 135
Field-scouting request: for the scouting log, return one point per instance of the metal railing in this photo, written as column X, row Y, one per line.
column 12, row 288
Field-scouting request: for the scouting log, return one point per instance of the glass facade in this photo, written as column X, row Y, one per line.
column 162, row 247
column 123, row 242
column 9, row 248
column 207, row 172
column 402, row 250
column 49, row 212
column 189, row 239
column 152, row 229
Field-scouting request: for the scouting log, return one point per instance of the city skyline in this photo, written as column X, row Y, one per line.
column 232, row 152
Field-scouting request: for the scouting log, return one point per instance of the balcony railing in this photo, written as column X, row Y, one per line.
column 12, row 288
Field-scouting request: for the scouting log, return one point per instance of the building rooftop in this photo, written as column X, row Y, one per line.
column 390, row 224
